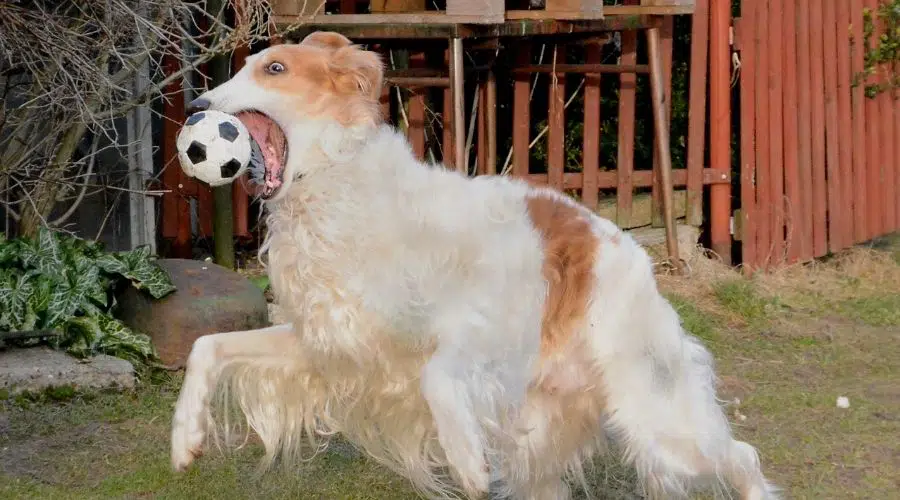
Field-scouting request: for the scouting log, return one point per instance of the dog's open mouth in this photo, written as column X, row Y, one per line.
column 269, row 153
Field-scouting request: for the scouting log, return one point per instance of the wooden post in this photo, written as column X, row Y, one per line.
column 697, row 111
column 457, row 91
column 720, row 135
column 661, row 129
column 223, row 212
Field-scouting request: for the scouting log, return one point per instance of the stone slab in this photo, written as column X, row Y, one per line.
column 38, row 368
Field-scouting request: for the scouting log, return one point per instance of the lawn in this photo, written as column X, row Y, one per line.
column 788, row 345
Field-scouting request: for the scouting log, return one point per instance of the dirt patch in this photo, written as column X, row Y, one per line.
column 46, row 458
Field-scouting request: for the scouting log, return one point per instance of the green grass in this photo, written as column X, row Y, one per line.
column 785, row 357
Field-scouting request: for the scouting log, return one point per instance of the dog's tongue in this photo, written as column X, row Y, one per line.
column 272, row 142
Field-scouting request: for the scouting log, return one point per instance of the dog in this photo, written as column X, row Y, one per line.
column 472, row 334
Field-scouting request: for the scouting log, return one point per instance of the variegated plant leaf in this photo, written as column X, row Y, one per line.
column 118, row 340
column 139, row 267
column 44, row 254
column 15, row 293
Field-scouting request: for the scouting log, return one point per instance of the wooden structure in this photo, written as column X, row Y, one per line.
column 820, row 162
column 434, row 43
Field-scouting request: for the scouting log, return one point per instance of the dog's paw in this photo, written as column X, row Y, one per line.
column 189, row 425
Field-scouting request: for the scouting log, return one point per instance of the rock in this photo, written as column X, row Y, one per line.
column 38, row 368
column 209, row 299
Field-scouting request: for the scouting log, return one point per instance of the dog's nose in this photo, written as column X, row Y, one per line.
column 198, row 104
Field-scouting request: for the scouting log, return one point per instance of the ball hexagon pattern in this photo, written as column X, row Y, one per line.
column 213, row 147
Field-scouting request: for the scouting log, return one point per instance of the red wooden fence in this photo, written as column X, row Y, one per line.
column 820, row 162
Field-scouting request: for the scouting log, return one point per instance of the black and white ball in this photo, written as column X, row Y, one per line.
column 214, row 147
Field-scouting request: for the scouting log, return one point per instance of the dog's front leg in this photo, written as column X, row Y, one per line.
column 209, row 356
column 447, row 385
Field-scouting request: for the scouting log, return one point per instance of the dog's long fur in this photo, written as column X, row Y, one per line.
column 462, row 331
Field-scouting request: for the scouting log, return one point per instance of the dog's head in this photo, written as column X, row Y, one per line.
column 325, row 79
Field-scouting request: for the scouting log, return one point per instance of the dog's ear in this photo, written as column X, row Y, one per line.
column 327, row 39
column 357, row 71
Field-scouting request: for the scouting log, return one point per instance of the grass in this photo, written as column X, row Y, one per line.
column 787, row 346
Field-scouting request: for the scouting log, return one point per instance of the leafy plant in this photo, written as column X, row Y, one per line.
column 64, row 285
column 882, row 56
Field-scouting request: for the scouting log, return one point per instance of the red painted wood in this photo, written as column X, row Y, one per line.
column 874, row 160
column 590, row 192
column 697, row 106
column 627, row 103
column 521, row 114
column 720, row 134
column 793, row 203
column 845, row 126
column 832, row 119
column 776, row 130
column 748, row 131
column 858, row 123
column 763, row 172
column 817, row 89
column 666, row 35
column 416, row 112
column 556, row 121
column 803, row 234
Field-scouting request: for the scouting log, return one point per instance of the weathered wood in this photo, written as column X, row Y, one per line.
column 488, row 11
column 521, row 124
column 697, row 110
column 720, row 134
column 831, row 127
column 590, row 164
column 804, row 232
column 858, row 103
column 556, row 121
column 627, row 110
column 396, row 5
column 792, row 187
column 747, row 47
column 845, row 125
column 639, row 179
column 817, row 89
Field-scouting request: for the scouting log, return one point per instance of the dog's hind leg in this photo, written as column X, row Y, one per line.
column 209, row 356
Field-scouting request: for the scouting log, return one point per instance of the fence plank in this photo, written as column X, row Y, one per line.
column 627, row 101
column 697, row 107
column 803, row 234
column 845, row 126
column 556, row 121
column 832, row 133
column 590, row 191
column 667, row 35
column 890, row 160
column 776, row 129
column 858, row 103
column 720, row 135
column 521, row 114
column 748, row 131
column 873, row 160
column 896, row 107
column 817, row 88
column 763, row 187
column 793, row 206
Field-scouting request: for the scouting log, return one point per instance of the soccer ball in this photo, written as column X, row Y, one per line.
column 214, row 147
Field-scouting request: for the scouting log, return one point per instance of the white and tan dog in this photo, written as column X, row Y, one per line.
column 462, row 331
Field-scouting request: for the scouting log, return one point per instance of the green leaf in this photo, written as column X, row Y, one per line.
column 44, row 254
column 139, row 267
column 117, row 339
column 16, row 290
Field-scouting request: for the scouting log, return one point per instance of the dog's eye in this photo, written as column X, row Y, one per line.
column 275, row 68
